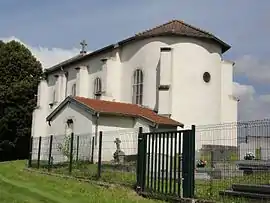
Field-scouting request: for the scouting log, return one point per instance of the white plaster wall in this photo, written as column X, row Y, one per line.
column 81, row 119
column 39, row 125
column 126, row 129
column 115, row 79
column 144, row 55
column 193, row 101
column 228, row 102
column 72, row 75
column 82, row 127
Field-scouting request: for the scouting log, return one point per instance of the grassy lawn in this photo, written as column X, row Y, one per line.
column 204, row 189
column 18, row 186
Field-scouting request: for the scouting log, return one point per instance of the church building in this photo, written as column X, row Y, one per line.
column 167, row 77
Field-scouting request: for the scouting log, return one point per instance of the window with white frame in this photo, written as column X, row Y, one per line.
column 137, row 97
column 97, row 88
column 73, row 90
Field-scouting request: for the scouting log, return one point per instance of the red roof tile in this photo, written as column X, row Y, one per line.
column 133, row 110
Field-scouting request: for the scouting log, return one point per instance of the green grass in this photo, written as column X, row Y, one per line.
column 204, row 189
column 208, row 189
column 20, row 186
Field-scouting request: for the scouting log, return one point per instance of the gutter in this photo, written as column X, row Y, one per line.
column 96, row 127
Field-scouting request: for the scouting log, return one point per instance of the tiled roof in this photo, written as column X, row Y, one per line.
column 174, row 27
column 126, row 109
column 177, row 27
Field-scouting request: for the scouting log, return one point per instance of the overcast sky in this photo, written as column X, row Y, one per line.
column 52, row 29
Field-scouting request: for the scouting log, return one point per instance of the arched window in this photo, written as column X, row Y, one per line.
column 97, row 88
column 137, row 97
column 73, row 90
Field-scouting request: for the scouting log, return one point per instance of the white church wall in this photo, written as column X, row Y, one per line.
column 82, row 127
column 82, row 121
column 114, row 123
column 144, row 55
column 95, row 69
column 114, row 127
column 39, row 125
column 115, row 77
column 125, row 129
column 71, row 80
column 229, row 103
column 82, row 80
column 193, row 100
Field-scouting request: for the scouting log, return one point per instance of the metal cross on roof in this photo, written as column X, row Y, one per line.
column 83, row 44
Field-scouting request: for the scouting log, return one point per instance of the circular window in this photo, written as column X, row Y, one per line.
column 206, row 77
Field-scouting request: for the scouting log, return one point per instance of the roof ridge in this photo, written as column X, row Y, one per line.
column 151, row 33
column 157, row 26
column 194, row 27
column 119, row 102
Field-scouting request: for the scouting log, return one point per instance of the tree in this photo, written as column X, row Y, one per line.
column 20, row 73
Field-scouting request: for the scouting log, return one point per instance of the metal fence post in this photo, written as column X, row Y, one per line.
column 39, row 149
column 93, row 150
column 30, row 152
column 144, row 161
column 71, row 152
column 189, row 162
column 192, row 156
column 50, row 153
column 99, row 155
column 77, row 152
column 140, row 160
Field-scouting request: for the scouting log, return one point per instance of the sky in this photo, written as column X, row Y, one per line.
column 52, row 30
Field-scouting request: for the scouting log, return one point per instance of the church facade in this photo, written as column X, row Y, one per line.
column 176, row 70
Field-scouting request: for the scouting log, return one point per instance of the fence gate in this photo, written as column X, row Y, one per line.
column 166, row 163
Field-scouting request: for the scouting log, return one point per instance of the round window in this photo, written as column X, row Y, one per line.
column 206, row 77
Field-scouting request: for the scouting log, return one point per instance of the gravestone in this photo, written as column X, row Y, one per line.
column 118, row 155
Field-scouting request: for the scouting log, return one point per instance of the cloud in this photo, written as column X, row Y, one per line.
column 254, row 69
column 47, row 56
column 251, row 105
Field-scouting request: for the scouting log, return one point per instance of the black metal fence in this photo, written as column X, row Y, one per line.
column 83, row 157
column 226, row 155
column 229, row 156
column 166, row 163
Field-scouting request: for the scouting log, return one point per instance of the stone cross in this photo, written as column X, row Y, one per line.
column 117, row 142
column 83, row 44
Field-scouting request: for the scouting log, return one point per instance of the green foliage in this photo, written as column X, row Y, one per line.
column 18, row 185
column 234, row 156
column 20, row 73
column 258, row 153
column 65, row 147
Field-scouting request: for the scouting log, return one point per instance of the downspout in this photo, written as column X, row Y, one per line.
column 96, row 134
column 66, row 74
column 96, row 127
